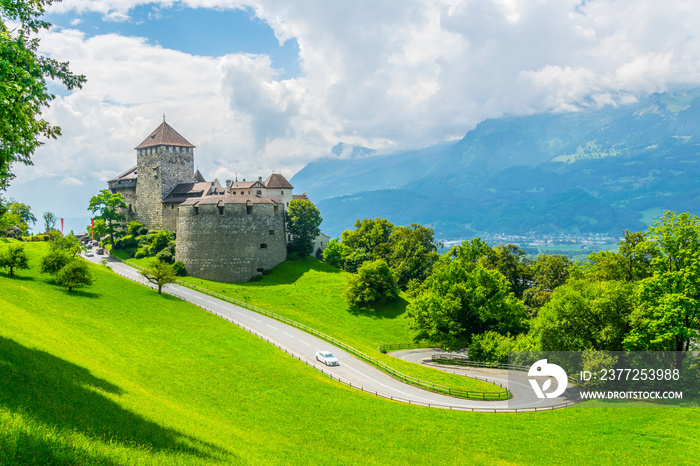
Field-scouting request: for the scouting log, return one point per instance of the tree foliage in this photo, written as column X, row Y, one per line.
column 373, row 283
column 667, row 317
column 108, row 205
column 14, row 257
column 49, row 221
column 303, row 222
column 159, row 273
column 23, row 88
column 461, row 298
column 74, row 274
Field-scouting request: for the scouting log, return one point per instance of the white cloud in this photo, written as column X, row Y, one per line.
column 71, row 181
column 391, row 74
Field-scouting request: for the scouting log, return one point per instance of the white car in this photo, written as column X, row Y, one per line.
column 89, row 253
column 327, row 358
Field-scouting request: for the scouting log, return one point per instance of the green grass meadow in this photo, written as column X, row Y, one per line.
column 116, row 374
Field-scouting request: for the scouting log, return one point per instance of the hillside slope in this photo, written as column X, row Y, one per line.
column 593, row 171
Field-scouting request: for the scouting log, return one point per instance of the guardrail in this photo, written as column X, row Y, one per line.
column 461, row 393
column 464, row 361
column 400, row 346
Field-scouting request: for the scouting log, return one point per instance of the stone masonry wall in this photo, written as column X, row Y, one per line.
column 232, row 247
column 159, row 172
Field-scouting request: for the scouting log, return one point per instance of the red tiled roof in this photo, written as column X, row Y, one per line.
column 277, row 181
column 227, row 198
column 164, row 135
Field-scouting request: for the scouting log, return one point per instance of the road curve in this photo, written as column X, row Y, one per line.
column 351, row 370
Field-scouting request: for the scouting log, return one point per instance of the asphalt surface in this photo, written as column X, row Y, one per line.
column 351, row 370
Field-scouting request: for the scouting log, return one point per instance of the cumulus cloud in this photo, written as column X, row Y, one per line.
column 387, row 75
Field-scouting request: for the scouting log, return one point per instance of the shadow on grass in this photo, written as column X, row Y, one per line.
column 390, row 310
column 59, row 393
column 15, row 276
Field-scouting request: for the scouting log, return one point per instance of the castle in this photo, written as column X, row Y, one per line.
column 225, row 233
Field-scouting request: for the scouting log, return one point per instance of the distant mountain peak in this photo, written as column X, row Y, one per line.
column 348, row 151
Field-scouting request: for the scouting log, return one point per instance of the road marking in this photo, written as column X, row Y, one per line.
column 258, row 321
column 212, row 302
column 240, row 313
column 289, row 335
column 302, row 341
column 271, row 326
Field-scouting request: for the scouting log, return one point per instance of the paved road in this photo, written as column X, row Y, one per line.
column 351, row 369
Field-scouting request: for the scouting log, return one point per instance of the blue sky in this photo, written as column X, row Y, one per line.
column 196, row 31
column 262, row 86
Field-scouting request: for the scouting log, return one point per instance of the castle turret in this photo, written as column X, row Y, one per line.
column 164, row 160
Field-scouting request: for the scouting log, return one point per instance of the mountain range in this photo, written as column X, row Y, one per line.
column 592, row 171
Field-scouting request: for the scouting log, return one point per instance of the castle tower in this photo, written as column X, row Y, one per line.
column 164, row 159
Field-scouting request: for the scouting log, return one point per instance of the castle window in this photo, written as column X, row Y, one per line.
column 272, row 232
column 282, row 193
column 221, row 209
column 196, row 210
column 263, row 245
column 172, row 206
column 277, row 208
column 129, row 207
column 249, row 209
column 261, row 270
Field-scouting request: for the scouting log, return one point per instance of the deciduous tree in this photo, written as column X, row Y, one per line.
column 74, row 274
column 159, row 273
column 108, row 205
column 303, row 222
column 373, row 283
column 13, row 258
column 23, row 88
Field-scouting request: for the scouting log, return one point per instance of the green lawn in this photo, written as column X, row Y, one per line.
column 117, row 374
column 310, row 292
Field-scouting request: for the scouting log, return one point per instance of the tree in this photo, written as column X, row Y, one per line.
column 549, row 271
column 512, row 262
column 23, row 88
column 368, row 241
column 667, row 316
column 55, row 260
column 49, row 221
column 13, row 258
column 461, row 298
column 303, row 222
column 21, row 215
column 74, row 274
column 108, row 205
column 373, row 283
column 413, row 253
column 159, row 273
column 629, row 264
column 585, row 315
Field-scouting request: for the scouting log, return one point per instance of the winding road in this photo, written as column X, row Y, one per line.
column 352, row 370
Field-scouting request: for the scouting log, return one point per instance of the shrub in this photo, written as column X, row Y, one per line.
column 374, row 282
column 166, row 256
column 134, row 227
column 180, row 269
column 140, row 254
column 142, row 231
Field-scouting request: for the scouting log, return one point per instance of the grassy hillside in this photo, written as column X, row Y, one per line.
column 116, row 374
column 310, row 292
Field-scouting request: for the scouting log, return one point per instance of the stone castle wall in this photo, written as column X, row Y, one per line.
column 233, row 245
column 158, row 173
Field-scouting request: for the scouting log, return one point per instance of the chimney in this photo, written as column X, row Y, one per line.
column 260, row 178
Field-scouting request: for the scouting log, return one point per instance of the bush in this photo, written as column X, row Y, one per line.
column 374, row 282
column 39, row 238
column 140, row 254
column 180, row 269
column 134, row 227
column 142, row 231
column 160, row 241
column 166, row 256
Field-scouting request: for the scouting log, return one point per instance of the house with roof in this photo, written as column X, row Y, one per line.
column 224, row 233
